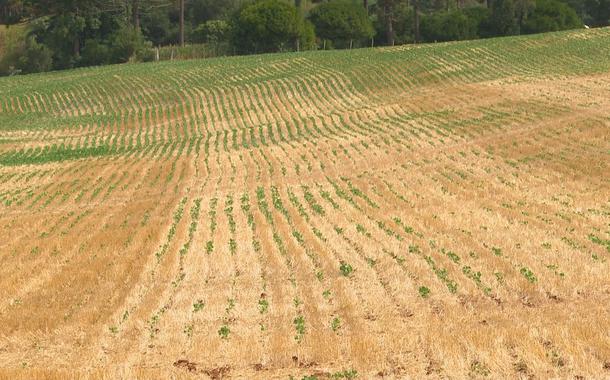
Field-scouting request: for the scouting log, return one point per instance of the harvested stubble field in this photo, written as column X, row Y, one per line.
column 421, row 211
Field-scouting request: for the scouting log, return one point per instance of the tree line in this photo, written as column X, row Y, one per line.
column 64, row 34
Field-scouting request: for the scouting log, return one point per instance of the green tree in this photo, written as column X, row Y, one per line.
column 551, row 15
column 598, row 12
column 213, row 31
column 448, row 26
column 502, row 19
column 342, row 21
column 28, row 57
column 268, row 26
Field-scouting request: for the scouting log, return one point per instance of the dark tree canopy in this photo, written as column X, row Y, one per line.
column 267, row 26
column 551, row 15
column 342, row 20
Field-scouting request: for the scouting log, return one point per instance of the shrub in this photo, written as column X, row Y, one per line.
column 128, row 44
column 29, row 57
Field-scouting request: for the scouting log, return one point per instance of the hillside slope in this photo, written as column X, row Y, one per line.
column 437, row 210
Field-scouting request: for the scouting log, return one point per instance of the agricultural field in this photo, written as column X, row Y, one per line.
column 435, row 211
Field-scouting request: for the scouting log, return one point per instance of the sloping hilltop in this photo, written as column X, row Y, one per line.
column 438, row 210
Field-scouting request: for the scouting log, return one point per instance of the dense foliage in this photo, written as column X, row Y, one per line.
column 342, row 21
column 63, row 34
column 268, row 26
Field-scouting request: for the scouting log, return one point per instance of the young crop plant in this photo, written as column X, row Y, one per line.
column 424, row 292
column 442, row 274
column 382, row 226
column 172, row 230
column 311, row 201
column 326, row 195
column 346, row 374
column 359, row 193
column 528, row 274
column 335, row 324
column 299, row 326
column 262, row 204
column 360, row 228
column 209, row 247
column 602, row 242
column 451, row 255
column 198, row 306
column 346, row 269
column 229, row 213
column 224, row 332
column 263, row 305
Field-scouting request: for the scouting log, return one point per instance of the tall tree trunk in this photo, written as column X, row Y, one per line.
column 76, row 46
column 365, row 3
column 181, row 22
column 416, row 19
column 389, row 24
column 135, row 10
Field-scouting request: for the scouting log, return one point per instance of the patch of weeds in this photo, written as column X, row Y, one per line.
column 263, row 305
column 360, row 228
column 572, row 243
column 602, row 242
column 198, row 306
column 442, row 274
column 475, row 276
column 335, row 324
column 451, row 255
column 497, row 251
column 528, row 274
column 478, row 369
column 346, row 374
column 326, row 195
column 424, row 292
column 499, row 277
column 230, row 306
column 555, row 270
column 188, row 330
column 224, row 332
column 388, row 230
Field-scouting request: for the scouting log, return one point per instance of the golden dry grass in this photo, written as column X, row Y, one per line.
column 440, row 211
